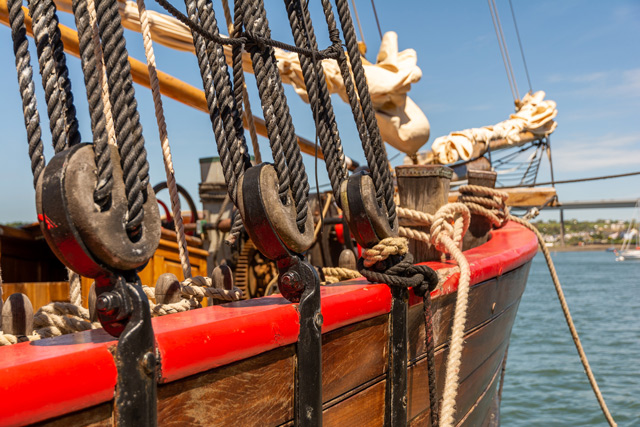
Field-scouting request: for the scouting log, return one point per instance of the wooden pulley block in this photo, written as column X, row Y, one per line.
column 369, row 222
column 270, row 223
column 17, row 316
column 86, row 238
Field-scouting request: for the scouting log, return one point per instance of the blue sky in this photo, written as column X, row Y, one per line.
column 583, row 54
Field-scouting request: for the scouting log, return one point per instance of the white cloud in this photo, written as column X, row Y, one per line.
column 619, row 151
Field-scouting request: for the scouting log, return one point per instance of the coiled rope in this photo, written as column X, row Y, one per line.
column 482, row 201
column 60, row 318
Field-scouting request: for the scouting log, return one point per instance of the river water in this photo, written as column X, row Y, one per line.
column 545, row 384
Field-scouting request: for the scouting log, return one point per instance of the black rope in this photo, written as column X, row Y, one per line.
column 42, row 14
column 379, row 166
column 92, row 81
column 244, row 38
column 319, row 97
column 279, row 123
column 133, row 156
column 27, row 87
column 399, row 271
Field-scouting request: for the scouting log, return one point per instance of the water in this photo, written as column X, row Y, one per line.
column 545, row 384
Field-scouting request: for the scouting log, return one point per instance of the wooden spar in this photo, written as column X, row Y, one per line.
column 170, row 86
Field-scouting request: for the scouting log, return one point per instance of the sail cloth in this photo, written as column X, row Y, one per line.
column 534, row 116
column 402, row 123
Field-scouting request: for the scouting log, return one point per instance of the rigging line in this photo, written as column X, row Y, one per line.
column 506, row 49
column 331, row 52
column 164, row 141
column 504, row 59
column 577, row 180
column 515, row 24
column 375, row 13
column 355, row 11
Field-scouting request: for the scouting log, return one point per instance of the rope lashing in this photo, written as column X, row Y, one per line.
column 181, row 238
column 497, row 195
column 487, row 202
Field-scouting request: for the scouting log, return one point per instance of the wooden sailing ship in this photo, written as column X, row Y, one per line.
column 355, row 352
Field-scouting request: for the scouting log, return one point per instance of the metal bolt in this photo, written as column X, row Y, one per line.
column 291, row 279
column 107, row 303
column 149, row 363
column 318, row 319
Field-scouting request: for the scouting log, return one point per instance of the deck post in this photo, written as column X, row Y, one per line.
column 480, row 225
column 424, row 188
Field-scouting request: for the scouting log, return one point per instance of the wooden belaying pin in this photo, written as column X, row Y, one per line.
column 93, row 316
column 168, row 289
column 347, row 259
column 17, row 316
column 222, row 277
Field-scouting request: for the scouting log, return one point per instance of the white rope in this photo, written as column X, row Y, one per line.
column 164, row 141
column 483, row 201
column 447, row 238
column 447, row 228
column 75, row 288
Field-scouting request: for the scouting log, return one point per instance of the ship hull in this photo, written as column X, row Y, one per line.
column 234, row 364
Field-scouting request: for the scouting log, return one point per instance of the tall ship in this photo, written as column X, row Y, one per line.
column 387, row 300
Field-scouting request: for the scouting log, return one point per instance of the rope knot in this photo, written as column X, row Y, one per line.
column 384, row 249
column 390, row 262
column 450, row 224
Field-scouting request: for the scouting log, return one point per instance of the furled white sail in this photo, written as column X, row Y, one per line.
column 534, row 116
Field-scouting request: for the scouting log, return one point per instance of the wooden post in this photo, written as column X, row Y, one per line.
column 17, row 316
column 480, row 226
column 424, row 188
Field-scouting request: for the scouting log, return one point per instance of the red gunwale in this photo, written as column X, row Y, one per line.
column 49, row 378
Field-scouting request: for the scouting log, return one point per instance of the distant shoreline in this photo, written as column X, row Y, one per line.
column 576, row 248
